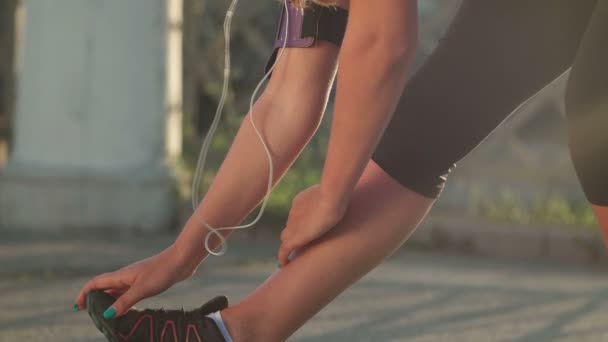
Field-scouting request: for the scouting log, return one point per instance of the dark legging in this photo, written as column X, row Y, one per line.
column 495, row 55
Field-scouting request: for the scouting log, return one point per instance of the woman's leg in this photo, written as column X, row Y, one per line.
column 381, row 216
column 495, row 55
column 587, row 114
column 601, row 213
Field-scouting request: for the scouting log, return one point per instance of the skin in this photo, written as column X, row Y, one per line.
column 374, row 226
column 601, row 214
column 341, row 228
column 380, row 56
column 287, row 113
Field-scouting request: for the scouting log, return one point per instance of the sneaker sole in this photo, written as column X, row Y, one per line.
column 101, row 325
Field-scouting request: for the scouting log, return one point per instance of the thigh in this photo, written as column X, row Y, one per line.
column 495, row 55
column 587, row 108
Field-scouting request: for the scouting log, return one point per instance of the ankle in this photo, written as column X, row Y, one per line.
column 239, row 326
column 248, row 327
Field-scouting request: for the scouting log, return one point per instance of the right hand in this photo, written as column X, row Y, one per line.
column 137, row 281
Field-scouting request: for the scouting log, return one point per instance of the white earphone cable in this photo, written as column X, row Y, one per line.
column 207, row 141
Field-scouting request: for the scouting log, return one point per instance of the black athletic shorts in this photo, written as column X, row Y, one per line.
column 495, row 55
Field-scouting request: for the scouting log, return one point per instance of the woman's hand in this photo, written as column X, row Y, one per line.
column 137, row 281
column 311, row 215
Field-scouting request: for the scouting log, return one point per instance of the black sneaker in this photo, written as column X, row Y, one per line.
column 156, row 325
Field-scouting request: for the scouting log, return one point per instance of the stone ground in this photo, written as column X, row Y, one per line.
column 417, row 295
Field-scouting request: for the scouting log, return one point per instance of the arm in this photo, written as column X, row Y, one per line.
column 287, row 114
column 378, row 46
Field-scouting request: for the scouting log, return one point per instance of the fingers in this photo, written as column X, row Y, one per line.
column 287, row 245
column 117, row 292
column 288, row 248
column 293, row 241
column 287, row 233
column 124, row 303
column 101, row 282
column 284, row 252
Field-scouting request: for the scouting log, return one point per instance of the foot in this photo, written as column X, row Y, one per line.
column 156, row 325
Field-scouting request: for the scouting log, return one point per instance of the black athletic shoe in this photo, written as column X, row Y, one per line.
column 156, row 325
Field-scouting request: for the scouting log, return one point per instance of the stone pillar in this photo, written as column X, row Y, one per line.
column 174, row 67
column 90, row 136
column 7, row 52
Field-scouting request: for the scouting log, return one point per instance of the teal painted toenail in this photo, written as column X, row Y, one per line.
column 279, row 265
column 109, row 313
column 76, row 308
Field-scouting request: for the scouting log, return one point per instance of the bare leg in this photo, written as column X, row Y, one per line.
column 382, row 213
column 381, row 216
column 601, row 213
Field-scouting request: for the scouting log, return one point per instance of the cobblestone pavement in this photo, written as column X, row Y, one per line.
column 414, row 296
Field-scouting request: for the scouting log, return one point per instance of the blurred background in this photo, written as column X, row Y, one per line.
column 105, row 115
column 103, row 109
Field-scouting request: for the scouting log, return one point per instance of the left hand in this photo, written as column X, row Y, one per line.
column 311, row 215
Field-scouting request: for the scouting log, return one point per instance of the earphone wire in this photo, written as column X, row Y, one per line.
column 208, row 138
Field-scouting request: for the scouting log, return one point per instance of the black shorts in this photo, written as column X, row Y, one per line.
column 495, row 55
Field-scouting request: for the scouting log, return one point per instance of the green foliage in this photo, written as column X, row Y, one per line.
column 552, row 210
column 305, row 172
column 250, row 28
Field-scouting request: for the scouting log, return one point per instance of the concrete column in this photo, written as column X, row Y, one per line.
column 7, row 53
column 90, row 136
column 174, row 67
